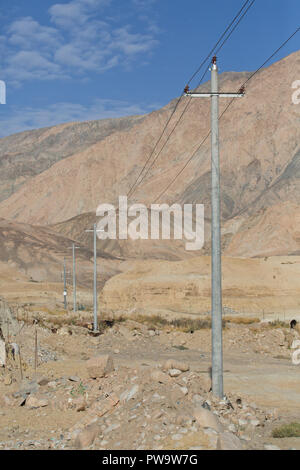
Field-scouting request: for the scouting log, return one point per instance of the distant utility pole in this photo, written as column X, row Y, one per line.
column 73, row 248
column 216, row 270
column 95, row 276
column 66, row 278
column 65, row 285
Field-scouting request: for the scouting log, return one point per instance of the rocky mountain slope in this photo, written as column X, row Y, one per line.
column 259, row 144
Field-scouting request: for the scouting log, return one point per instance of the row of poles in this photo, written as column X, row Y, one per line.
column 73, row 248
column 216, row 272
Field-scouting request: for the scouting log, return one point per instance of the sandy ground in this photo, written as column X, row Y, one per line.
column 257, row 368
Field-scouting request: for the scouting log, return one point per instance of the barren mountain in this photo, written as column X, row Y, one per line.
column 259, row 145
column 37, row 254
column 24, row 155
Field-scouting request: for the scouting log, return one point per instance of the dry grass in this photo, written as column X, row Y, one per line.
column 186, row 325
column 287, row 430
column 278, row 324
column 241, row 320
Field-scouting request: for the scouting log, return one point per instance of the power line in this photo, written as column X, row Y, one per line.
column 137, row 182
column 222, row 114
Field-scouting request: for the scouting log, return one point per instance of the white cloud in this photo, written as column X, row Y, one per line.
column 20, row 119
column 78, row 42
column 28, row 33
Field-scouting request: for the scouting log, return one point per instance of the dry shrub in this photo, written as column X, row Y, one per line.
column 241, row 320
column 287, row 430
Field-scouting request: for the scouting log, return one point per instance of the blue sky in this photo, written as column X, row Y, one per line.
column 72, row 60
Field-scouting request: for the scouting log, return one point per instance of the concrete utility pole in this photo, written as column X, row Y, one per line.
column 65, row 285
column 73, row 248
column 95, row 276
column 216, row 270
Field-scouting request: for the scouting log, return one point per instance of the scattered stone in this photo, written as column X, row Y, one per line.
column 74, row 378
column 86, row 437
column 35, row 401
column 254, row 422
column 159, row 376
column 271, row 447
column 129, row 394
column 228, row 441
column 2, row 353
column 174, row 372
column 207, row 419
column 100, row 366
column 8, row 379
column 41, row 380
column 173, row 364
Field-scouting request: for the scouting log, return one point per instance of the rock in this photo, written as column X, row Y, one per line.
column 36, row 401
column 111, row 428
column 86, row 437
column 177, row 437
column 8, row 379
column 228, row 441
column 159, row 376
column 8, row 321
column 205, row 382
column 6, row 400
column 173, row 364
column 271, row 447
column 254, row 422
column 232, row 428
column 174, row 372
column 128, row 394
column 242, row 422
column 100, row 366
column 64, row 331
column 79, row 404
column 52, row 384
column 197, row 399
column 27, row 387
column 2, row 353
column 100, row 408
column 74, row 378
column 41, row 380
column 207, row 419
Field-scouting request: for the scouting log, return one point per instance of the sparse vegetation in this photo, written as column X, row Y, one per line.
column 79, row 390
column 278, row 324
column 241, row 320
column 287, row 430
column 186, row 325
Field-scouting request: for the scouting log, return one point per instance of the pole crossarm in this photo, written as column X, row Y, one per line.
column 208, row 95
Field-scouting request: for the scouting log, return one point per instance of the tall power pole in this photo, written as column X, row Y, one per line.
column 216, row 269
column 95, row 276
